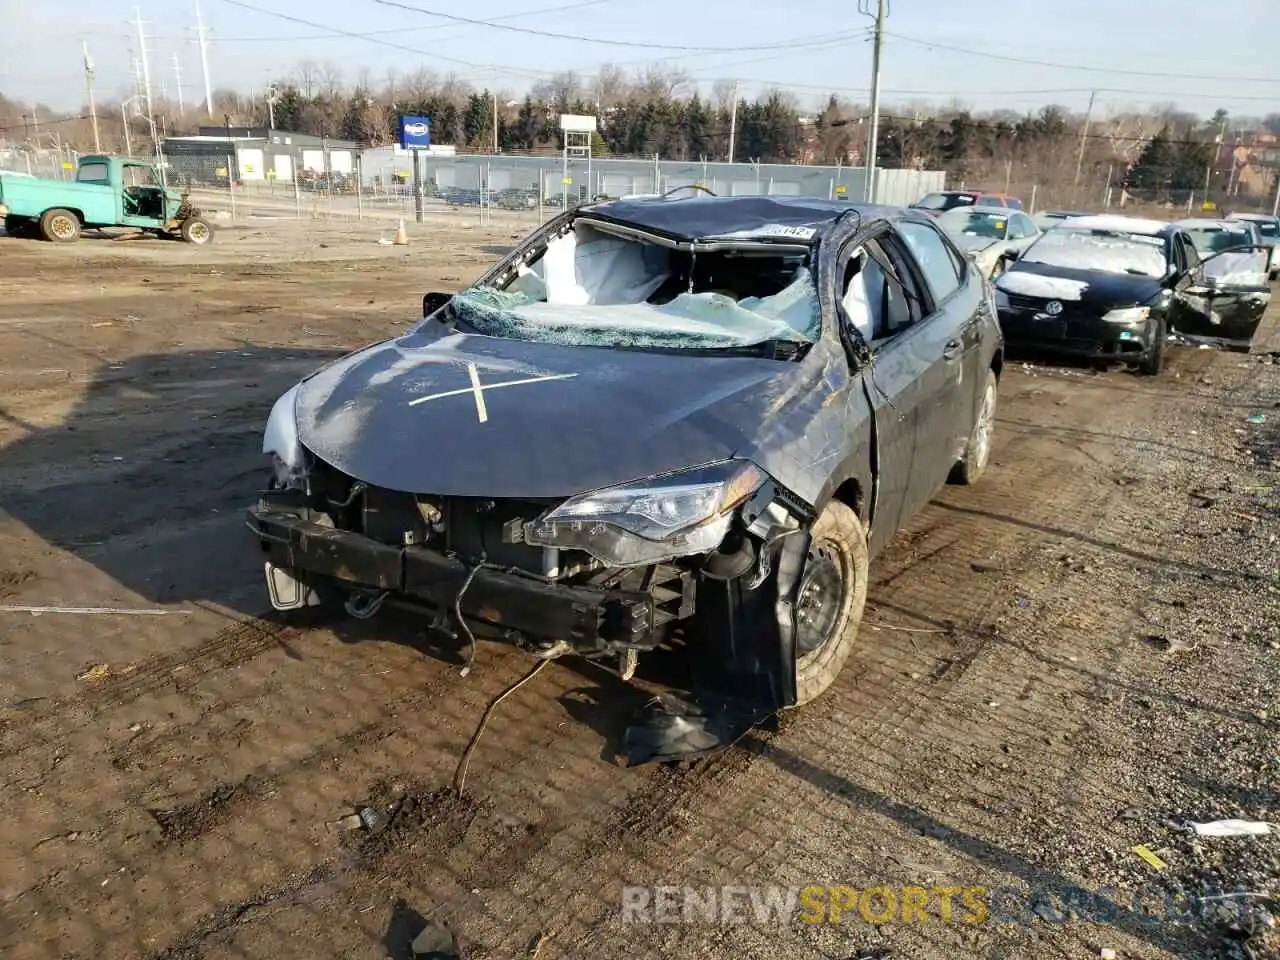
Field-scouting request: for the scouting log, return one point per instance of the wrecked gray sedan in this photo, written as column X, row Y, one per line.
column 675, row 421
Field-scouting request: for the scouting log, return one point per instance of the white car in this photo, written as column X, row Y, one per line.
column 990, row 234
column 1268, row 228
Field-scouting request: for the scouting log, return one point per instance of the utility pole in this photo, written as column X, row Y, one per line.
column 1217, row 157
column 204, row 60
column 271, row 96
column 495, row 118
column 1275, row 207
column 177, row 76
column 1084, row 136
column 88, row 86
column 146, row 79
column 733, row 120
column 873, row 133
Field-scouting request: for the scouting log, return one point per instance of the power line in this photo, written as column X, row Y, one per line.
column 401, row 30
column 578, row 38
column 1007, row 58
column 433, row 55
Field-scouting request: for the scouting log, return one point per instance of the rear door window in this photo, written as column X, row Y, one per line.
column 935, row 260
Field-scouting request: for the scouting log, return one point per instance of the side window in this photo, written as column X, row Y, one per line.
column 1015, row 230
column 1012, row 203
column 1182, row 260
column 92, row 173
column 1028, row 225
column 931, row 252
column 874, row 299
column 990, row 202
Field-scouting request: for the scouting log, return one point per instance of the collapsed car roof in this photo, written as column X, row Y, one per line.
column 771, row 219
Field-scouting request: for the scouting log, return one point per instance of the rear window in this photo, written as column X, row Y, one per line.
column 92, row 173
column 946, row 201
column 994, row 201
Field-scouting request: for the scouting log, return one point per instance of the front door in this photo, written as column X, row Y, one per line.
column 1224, row 298
column 142, row 198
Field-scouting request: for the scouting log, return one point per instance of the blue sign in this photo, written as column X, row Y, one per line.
column 415, row 132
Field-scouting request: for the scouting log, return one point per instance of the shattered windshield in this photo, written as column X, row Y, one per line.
column 972, row 223
column 593, row 289
column 1213, row 239
column 1106, row 251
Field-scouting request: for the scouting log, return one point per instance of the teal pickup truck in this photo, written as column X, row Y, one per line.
column 107, row 192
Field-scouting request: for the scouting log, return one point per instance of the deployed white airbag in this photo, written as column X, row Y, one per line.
column 586, row 266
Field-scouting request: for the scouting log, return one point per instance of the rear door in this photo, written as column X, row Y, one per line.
column 945, row 343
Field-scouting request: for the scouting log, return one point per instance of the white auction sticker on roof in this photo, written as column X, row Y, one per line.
column 772, row 230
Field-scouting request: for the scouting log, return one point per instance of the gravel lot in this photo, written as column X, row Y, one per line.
column 1073, row 658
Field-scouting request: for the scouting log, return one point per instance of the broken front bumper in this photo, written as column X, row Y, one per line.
column 497, row 603
column 1077, row 333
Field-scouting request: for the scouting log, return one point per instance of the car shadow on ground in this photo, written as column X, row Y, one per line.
column 147, row 480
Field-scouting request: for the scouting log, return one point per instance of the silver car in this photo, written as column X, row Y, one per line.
column 1268, row 228
column 990, row 234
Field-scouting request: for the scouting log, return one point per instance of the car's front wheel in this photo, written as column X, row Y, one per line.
column 830, row 600
column 1151, row 363
column 978, row 450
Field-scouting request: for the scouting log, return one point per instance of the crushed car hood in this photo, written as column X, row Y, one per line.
column 457, row 414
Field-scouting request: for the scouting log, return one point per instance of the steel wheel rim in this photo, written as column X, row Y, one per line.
column 62, row 227
column 824, row 587
column 982, row 432
column 198, row 232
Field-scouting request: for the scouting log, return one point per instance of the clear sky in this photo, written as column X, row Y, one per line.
column 1216, row 54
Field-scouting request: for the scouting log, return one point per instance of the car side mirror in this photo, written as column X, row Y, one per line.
column 432, row 302
column 1009, row 255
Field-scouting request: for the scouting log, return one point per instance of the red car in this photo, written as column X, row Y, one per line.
column 936, row 203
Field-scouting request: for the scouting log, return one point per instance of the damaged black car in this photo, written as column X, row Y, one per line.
column 687, row 421
column 1117, row 288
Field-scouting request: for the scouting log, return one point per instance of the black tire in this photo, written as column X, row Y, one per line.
column 60, row 226
column 838, row 559
column 1150, row 364
column 977, row 450
column 196, row 230
column 17, row 226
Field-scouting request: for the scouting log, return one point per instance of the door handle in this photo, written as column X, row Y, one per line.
column 952, row 349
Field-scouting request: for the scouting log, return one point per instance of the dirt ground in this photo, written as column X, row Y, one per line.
column 1074, row 657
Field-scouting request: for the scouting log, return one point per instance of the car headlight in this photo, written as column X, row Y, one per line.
column 289, row 459
column 651, row 521
column 1127, row 315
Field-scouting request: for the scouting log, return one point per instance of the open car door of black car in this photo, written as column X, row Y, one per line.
column 1226, row 298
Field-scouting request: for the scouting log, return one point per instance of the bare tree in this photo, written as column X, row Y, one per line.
column 612, row 85
column 420, row 84
column 560, row 89
column 306, row 77
column 663, row 83
column 455, row 88
column 330, row 79
column 723, row 93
